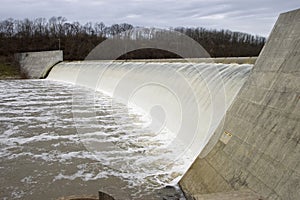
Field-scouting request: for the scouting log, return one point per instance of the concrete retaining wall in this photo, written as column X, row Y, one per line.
column 36, row 64
column 259, row 145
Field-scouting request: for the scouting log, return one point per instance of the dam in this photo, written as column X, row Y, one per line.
column 106, row 125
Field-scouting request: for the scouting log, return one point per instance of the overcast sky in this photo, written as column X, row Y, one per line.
column 252, row 16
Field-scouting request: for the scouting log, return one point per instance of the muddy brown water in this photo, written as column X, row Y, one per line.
column 42, row 155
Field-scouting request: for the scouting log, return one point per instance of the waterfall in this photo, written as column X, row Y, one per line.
column 185, row 100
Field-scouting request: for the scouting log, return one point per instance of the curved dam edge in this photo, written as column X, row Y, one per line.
column 35, row 65
column 223, row 60
column 258, row 144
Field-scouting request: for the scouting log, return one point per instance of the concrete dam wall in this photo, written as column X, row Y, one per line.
column 37, row 64
column 258, row 145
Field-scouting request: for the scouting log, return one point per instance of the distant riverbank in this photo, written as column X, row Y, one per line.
column 9, row 71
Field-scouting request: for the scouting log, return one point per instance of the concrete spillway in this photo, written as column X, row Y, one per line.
column 258, row 146
column 188, row 100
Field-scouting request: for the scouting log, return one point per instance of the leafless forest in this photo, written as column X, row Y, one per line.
column 77, row 40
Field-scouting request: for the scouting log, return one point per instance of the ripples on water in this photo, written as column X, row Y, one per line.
column 57, row 140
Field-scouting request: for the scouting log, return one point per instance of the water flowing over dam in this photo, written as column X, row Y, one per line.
column 110, row 125
column 179, row 107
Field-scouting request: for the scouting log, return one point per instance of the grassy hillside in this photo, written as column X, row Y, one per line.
column 9, row 70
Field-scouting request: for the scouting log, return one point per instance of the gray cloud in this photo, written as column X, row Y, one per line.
column 256, row 16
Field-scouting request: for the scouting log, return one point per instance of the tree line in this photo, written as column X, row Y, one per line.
column 77, row 40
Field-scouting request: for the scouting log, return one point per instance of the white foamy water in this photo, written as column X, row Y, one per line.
column 128, row 132
column 182, row 103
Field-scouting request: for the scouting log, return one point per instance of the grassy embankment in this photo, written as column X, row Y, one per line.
column 9, row 70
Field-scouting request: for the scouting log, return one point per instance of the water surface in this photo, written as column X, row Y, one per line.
column 44, row 156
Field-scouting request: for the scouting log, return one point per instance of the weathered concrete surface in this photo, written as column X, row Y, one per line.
column 233, row 195
column 36, row 64
column 259, row 148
